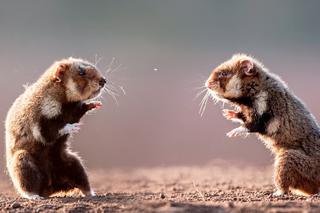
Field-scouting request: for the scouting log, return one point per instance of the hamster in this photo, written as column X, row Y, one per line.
column 39, row 123
column 267, row 107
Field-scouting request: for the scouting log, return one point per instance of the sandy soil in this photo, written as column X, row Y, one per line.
column 174, row 189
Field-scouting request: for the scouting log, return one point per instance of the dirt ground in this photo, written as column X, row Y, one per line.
column 170, row 189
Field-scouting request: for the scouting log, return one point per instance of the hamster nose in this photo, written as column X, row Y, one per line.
column 102, row 82
column 209, row 84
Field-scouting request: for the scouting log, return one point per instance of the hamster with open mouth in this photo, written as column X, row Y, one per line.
column 266, row 106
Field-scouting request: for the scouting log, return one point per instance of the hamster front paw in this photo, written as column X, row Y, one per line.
column 232, row 115
column 94, row 105
column 70, row 129
column 229, row 114
column 240, row 131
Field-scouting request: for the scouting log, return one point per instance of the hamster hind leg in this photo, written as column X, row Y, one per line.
column 26, row 175
column 71, row 174
column 297, row 172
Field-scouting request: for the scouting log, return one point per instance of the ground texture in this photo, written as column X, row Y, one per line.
column 175, row 189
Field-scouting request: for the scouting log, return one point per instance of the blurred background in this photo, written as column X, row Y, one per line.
column 166, row 50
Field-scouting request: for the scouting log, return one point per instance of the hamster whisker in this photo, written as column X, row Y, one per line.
column 110, row 65
column 197, row 88
column 123, row 90
column 116, row 88
column 203, row 103
column 110, row 87
column 97, row 60
column 110, row 68
column 112, row 93
column 199, row 94
column 113, row 96
column 115, row 69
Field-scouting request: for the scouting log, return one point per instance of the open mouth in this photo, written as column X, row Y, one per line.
column 216, row 96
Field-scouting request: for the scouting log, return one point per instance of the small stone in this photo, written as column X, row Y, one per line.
column 162, row 196
column 15, row 205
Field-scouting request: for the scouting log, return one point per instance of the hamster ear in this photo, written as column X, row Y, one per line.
column 246, row 67
column 59, row 71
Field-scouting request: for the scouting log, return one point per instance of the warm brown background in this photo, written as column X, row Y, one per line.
column 157, row 122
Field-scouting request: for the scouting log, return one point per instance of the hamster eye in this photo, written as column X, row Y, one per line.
column 224, row 74
column 82, row 71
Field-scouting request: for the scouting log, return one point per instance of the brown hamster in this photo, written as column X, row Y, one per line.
column 267, row 107
column 39, row 123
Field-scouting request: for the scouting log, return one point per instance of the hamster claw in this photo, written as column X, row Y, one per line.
column 240, row 131
column 70, row 129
